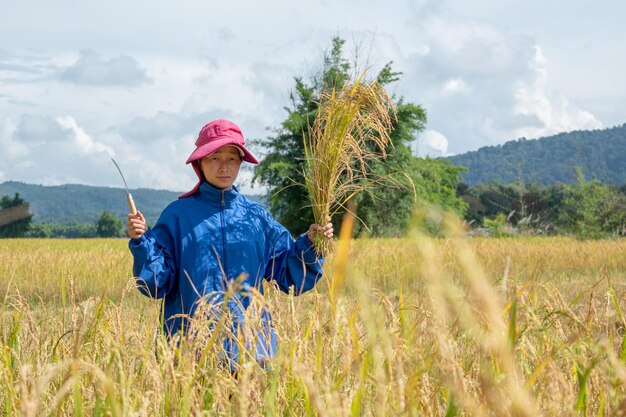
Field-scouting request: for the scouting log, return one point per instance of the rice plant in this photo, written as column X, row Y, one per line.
column 351, row 129
column 443, row 327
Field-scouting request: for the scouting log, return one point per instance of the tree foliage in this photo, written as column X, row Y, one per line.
column 70, row 230
column 533, row 206
column 415, row 179
column 587, row 209
column 593, row 210
column 108, row 225
column 15, row 219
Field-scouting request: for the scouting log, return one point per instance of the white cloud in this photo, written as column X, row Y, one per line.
column 162, row 125
column 554, row 110
column 430, row 143
column 482, row 85
column 36, row 156
column 12, row 148
column 75, row 157
column 25, row 67
column 83, row 142
column 455, row 86
column 36, row 128
column 92, row 69
column 472, row 47
column 481, row 75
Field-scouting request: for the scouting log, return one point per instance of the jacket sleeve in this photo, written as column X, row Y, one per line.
column 293, row 264
column 154, row 267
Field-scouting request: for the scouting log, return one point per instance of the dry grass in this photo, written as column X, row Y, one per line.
column 468, row 327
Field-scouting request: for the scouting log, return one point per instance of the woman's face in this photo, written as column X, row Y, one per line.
column 221, row 167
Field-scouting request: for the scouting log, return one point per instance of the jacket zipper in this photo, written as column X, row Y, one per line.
column 222, row 206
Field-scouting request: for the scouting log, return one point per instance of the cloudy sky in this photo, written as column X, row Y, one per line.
column 81, row 81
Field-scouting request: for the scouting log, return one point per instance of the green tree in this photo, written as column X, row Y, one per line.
column 498, row 226
column 108, row 225
column 281, row 169
column 15, row 219
column 531, row 208
column 40, row 230
column 74, row 230
column 593, row 210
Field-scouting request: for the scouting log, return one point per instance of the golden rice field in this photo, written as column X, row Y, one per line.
column 410, row 327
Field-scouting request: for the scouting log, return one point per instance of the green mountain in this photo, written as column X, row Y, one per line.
column 600, row 153
column 69, row 203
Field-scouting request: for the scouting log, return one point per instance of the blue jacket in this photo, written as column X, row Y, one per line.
column 209, row 238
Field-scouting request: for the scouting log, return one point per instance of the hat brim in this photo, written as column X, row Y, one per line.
column 214, row 145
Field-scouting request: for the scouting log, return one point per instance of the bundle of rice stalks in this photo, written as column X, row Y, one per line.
column 351, row 129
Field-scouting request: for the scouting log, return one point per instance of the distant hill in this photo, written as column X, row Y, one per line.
column 83, row 203
column 600, row 153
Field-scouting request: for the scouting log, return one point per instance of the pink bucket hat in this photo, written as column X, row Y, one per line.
column 220, row 133
column 213, row 136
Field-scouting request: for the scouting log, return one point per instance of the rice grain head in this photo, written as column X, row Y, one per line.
column 350, row 130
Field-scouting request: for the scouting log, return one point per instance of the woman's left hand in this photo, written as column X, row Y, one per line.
column 326, row 231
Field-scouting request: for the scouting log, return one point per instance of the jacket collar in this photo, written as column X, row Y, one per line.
column 213, row 195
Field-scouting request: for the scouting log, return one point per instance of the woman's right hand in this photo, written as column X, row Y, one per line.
column 136, row 226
